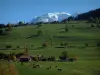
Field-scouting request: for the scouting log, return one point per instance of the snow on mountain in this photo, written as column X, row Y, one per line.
column 50, row 17
column 75, row 14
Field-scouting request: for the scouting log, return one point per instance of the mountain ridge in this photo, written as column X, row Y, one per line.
column 50, row 17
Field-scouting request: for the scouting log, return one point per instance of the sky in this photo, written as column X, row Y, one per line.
column 13, row 11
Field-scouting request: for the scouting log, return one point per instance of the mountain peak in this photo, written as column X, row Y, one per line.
column 50, row 17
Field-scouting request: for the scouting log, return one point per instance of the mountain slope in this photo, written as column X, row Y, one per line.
column 93, row 13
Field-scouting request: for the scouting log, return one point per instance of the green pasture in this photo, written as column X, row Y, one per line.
column 88, row 62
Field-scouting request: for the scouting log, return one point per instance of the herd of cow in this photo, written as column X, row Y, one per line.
column 48, row 68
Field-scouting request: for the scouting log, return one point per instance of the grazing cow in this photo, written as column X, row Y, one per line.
column 48, row 68
column 60, row 70
column 33, row 64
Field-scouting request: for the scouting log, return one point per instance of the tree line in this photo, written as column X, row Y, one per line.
column 86, row 16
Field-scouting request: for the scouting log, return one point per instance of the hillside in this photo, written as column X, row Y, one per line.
column 79, row 34
column 82, row 41
column 93, row 13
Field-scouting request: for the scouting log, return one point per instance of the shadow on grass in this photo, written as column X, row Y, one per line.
column 60, row 28
column 62, row 32
column 31, row 36
column 38, row 48
column 59, row 47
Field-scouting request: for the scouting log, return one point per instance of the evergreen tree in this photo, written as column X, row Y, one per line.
column 66, row 28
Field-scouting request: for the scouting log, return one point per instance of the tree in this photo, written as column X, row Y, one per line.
column 92, row 13
column 97, row 21
column 2, row 29
column 64, row 21
column 92, row 25
column 9, row 27
column 64, row 55
column 45, row 44
column 39, row 25
column 18, row 46
column 70, row 18
column 51, row 40
column 66, row 28
column 2, row 26
column 65, row 44
column 55, row 22
column 20, row 23
column 13, row 56
column 39, row 32
column 91, row 19
column 61, row 44
column 8, row 46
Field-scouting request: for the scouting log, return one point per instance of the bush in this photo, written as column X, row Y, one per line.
column 64, row 55
column 66, row 29
column 44, row 44
column 92, row 25
column 18, row 46
column 98, row 45
column 63, row 44
column 52, row 58
column 86, row 44
column 72, row 25
column 32, row 45
column 8, row 46
column 18, row 55
column 3, row 56
column 39, row 25
column 35, row 58
column 44, row 59
column 39, row 32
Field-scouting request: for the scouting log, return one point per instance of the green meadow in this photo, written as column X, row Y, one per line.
column 79, row 33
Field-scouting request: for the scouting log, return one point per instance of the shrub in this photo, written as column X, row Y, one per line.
column 32, row 45
column 35, row 58
column 65, row 44
column 3, row 56
column 66, row 29
column 39, row 32
column 86, row 44
column 18, row 55
column 52, row 58
column 18, row 46
column 64, row 55
column 61, row 44
column 72, row 25
column 98, row 45
column 8, row 46
column 92, row 25
column 44, row 44
column 39, row 25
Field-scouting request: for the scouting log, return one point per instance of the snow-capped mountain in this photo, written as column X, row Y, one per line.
column 75, row 14
column 50, row 17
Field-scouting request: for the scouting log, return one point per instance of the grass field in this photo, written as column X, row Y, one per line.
column 88, row 62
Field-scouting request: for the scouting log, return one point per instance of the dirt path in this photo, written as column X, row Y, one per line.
column 12, row 69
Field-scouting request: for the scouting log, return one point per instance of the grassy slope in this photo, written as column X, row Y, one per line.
column 88, row 58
